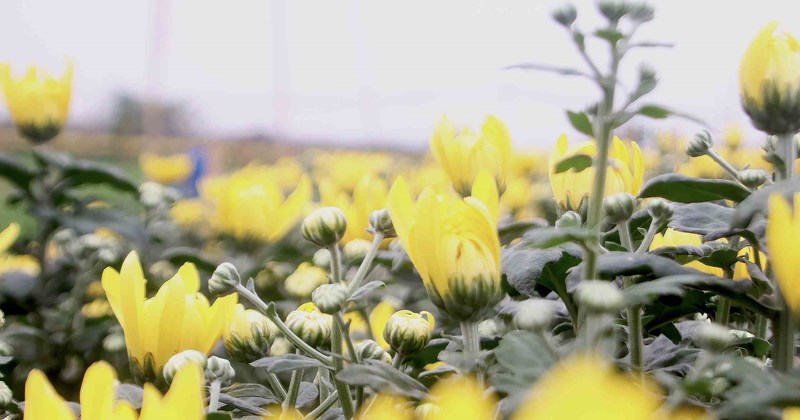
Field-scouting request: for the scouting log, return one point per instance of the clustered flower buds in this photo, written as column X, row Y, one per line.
column 408, row 332
column 311, row 325
column 176, row 362
column 325, row 226
column 224, row 280
column 330, row 298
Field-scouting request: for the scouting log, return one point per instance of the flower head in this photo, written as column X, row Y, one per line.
column 172, row 169
column 460, row 397
column 783, row 229
column 408, row 332
column 249, row 334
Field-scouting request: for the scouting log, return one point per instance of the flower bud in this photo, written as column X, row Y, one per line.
column 325, row 226
column 700, row 144
column 6, row 395
column 565, row 15
column 224, row 280
column 322, row 258
column 310, row 324
column 176, row 362
column 659, row 209
column 219, row 369
column 569, row 219
column 380, row 221
column 641, row 12
column 304, row 280
column 752, row 178
column 248, row 335
column 356, row 250
column 408, row 332
column 599, row 296
column 613, row 10
column 619, row 207
column 713, row 337
column 370, row 350
column 534, row 314
column 490, row 328
column 330, row 298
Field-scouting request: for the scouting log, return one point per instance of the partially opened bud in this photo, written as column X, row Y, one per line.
column 176, row 362
column 699, row 145
column 219, row 369
column 569, row 219
column 325, row 226
column 224, row 280
column 381, row 222
column 310, row 324
column 370, row 350
column 248, row 335
column 330, row 298
column 408, row 332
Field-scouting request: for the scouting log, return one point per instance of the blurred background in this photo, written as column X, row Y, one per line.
column 366, row 74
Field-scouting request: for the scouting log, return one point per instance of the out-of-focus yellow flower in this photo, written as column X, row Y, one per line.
column 386, row 407
column 733, row 136
column 460, row 397
column 463, row 155
column 783, row 229
column 304, row 280
column 529, row 163
column 287, row 171
column 184, row 400
column 369, row 194
column 95, row 289
column 166, row 169
column 98, row 397
column 97, row 308
column 791, row 413
column 625, row 172
column 377, row 323
column 674, row 238
column 571, row 391
column 453, row 243
column 250, row 204
column 189, row 213
column 37, row 101
column 177, row 318
column 430, row 175
column 344, row 169
column 769, row 78
column 15, row 263
column 518, row 196
column 740, row 268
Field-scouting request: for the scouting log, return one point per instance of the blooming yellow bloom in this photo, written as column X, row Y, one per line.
column 453, row 243
column 344, row 169
column 672, row 237
column 463, row 155
column 304, row 280
column 460, row 397
column 38, row 105
column 98, row 397
column 184, row 400
column 171, row 169
column 189, row 213
column 386, row 407
column 783, row 229
column 15, row 263
column 177, row 318
column 625, row 171
column 369, row 194
column 587, row 387
column 250, row 204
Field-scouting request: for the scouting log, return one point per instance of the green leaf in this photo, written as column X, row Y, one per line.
column 610, row 35
column 382, row 377
column 509, row 231
column 308, row 395
column 85, row 172
column 522, row 357
column 242, row 405
column 255, row 394
column 365, row 289
column 288, row 362
column 684, row 189
column 700, row 218
column 550, row 236
column 654, row 111
column 15, row 172
column 757, row 202
column 576, row 163
column 581, row 122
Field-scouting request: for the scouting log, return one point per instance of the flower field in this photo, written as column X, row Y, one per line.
column 607, row 277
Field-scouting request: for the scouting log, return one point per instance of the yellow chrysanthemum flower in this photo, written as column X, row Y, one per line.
column 166, row 169
column 460, row 397
column 625, row 172
column 587, row 387
column 177, row 318
column 369, row 194
column 15, row 263
column 38, row 102
column 189, row 213
column 769, row 78
column 463, row 155
column 184, row 400
column 386, row 407
column 250, row 204
column 783, row 229
column 453, row 243
column 672, row 237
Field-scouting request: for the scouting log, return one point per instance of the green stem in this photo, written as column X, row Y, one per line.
column 213, row 396
column 365, row 266
column 733, row 172
column 397, row 361
column 783, row 324
column 472, row 340
column 338, row 364
column 652, row 230
column 723, row 316
column 323, row 406
column 336, row 263
column 276, row 386
column 351, row 350
column 760, row 329
column 290, row 401
column 634, row 313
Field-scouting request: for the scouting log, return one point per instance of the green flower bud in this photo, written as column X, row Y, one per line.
column 330, row 298
column 370, row 350
column 322, row 258
column 712, row 337
column 224, row 280
column 219, row 369
column 6, row 396
column 599, row 296
column 248, row 335
column 752, row 178
column 310, row 324
column 700, row 144
column 614, row 10
column 659, row 209
column 619, row 207
column 176, row 362
column 408, row 332
column 356, row 250
column 325, row 226
column 304, row 280
column 565, row 15
column 642, row 12
column 534, row 314
column 569, row 219
column 380, row 221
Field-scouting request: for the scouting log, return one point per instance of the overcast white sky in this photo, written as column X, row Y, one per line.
column 368, row 72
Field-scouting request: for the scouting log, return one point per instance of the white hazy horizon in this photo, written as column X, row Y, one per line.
column 374, row 72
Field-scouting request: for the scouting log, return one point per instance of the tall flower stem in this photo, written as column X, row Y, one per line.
column 634, row 315
column 294, row 389
column 783, row 324
column 365, row 266
column 213, row 396
column 338, row 364
column 472, row 340
column 336, row 263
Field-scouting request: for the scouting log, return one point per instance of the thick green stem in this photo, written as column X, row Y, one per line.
column 276, row 385
column 290, row 401
column 634, row 313
column 472, row 340
column 336, row 263
column 213, row 396
column 338, row 364
column 783, row 324
column 760, row 328
column 365, row 266
column 733, row 172
column 723, row 316
column 351, row 350
column 397, row 361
